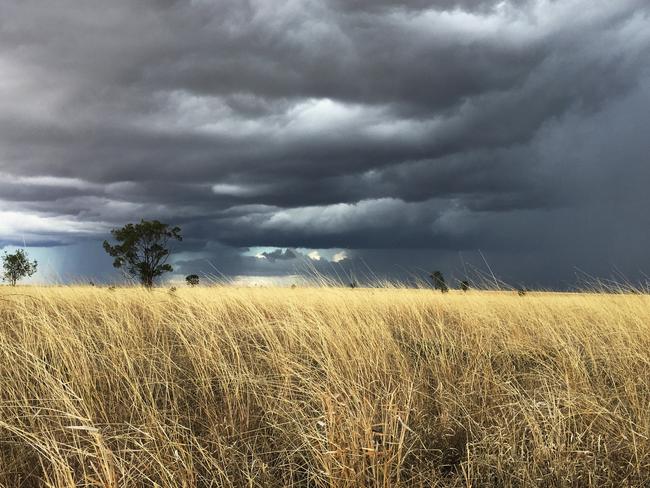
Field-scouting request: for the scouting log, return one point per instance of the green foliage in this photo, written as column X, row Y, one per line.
column 192, row 280
column 464, row 285
column 141, row 249
column 439, row 281
column 17, row 266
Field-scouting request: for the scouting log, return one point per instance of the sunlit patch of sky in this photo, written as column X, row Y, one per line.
column 334, row 255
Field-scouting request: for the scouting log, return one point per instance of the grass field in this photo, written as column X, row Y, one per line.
column 322, row 387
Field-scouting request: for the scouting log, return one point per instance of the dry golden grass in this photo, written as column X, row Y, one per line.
column 323, row 388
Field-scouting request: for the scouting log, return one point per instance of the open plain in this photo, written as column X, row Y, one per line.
column 322, row 387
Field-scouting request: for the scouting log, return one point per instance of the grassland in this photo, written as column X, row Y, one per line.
column 322, row 387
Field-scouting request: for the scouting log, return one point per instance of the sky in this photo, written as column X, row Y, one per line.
column 360, row 138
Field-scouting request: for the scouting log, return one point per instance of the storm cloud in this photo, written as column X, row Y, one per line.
column 403, row 132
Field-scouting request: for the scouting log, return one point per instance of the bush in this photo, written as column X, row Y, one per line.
column 192, row 280
column 439, row 282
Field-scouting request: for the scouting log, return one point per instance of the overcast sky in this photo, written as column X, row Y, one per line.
column 399, row 137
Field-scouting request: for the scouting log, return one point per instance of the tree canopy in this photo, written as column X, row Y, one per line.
column 17, row 266
column 141, row 249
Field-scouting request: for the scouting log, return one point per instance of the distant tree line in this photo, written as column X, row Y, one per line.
column 439, row 282
column 141, row 250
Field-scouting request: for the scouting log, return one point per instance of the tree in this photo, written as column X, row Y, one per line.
column 192, row 280
column 464, row 285
column 141, row 249
column 17, row 266
column 439, row 282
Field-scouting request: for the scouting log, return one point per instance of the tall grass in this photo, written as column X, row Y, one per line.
column 322, row 387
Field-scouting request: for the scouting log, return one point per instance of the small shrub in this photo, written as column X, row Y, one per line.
column 192, row 280
column 439, row 282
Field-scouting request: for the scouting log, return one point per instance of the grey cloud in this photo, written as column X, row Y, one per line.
column 446, row 125
column 217, row 261
column 379, row 6
column 280, row 255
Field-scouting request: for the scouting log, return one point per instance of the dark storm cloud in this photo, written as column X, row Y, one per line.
column 280, row 255
column 450, row 124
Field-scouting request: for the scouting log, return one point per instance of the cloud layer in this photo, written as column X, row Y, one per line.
column 515, row 127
